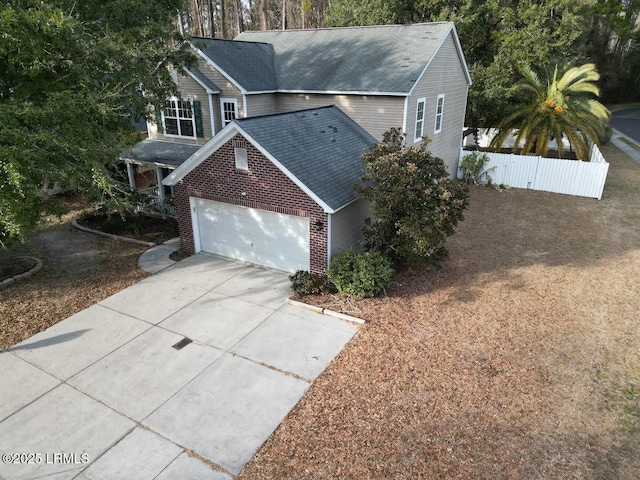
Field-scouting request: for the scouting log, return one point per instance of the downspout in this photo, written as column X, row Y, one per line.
column 213, row 121
column 404, row 119
column 329, row 217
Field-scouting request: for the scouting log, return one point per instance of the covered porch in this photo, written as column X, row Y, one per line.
column 148, row 163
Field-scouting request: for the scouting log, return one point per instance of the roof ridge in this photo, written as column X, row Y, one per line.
column 227, row 40
column 359, row 27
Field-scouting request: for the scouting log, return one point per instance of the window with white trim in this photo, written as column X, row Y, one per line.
column 419, row 119
column 439, row 113
column 229, row 110
column 242, row 162
column 178, row 118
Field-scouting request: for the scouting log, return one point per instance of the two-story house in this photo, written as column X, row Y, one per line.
column 261, row 151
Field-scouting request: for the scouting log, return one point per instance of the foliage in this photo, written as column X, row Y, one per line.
column 360, row 275
column 415, row 205
column 472, row 165
column 559, row 104
column 71, row 79
column 497, row 36
column 307, row 283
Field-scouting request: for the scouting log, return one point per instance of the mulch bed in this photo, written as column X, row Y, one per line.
column 11, row 266
column 140, row 226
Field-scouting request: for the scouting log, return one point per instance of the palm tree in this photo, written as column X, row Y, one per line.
column 561, row 104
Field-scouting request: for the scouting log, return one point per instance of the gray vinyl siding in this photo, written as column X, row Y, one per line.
column 445, row 75
column 347, row 225
column 227, row 90
column 261, row 104
column 376, row 114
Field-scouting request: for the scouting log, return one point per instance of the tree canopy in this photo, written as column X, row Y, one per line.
column 72, row 76
column 561, row 102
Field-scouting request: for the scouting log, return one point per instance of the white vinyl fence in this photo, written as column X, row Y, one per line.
column 571, row 177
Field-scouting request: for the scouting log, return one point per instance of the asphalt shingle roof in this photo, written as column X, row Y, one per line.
column 203, row 79
column 165, row 153
column 380, row 59
column 248, row 63
column 321, row 147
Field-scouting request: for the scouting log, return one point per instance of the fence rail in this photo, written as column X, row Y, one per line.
column 571, row 177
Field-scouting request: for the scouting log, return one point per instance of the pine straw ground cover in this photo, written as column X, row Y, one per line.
column 520, row 359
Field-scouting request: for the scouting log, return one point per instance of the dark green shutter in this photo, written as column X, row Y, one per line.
column 159, row 120
column 197, row 112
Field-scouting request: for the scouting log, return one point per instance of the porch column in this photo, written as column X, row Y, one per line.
column 131, row 176
column 159, row 179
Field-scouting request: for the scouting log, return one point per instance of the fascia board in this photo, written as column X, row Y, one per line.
column 346, row 92
column 460, row 54
column 208, row 149
column 202, row 84
column 215, row 65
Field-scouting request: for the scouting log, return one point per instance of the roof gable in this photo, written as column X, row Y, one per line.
column 386, row 59
column 318, row 149
column 249, row 65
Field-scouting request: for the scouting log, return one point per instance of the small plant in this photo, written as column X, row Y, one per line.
column 472, row 166
column 360, row 275
column 307, row 283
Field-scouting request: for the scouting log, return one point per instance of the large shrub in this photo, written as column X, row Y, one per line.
column 360, row 275
column 415, row 204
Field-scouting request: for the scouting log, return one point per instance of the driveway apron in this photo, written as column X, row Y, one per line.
column 181, row 376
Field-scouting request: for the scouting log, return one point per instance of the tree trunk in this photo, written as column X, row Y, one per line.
column 262, row 13
column 223, row 20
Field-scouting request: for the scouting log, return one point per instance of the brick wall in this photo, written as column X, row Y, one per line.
column 265, row 187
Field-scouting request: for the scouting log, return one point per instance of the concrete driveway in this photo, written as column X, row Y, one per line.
column 181, row 376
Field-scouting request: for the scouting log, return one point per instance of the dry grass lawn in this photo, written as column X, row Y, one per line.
column 520, row 359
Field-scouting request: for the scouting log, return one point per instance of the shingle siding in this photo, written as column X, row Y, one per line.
column 444, row 75
column 266, row 188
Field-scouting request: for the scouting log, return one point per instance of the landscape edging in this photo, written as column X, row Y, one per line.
column 75, row 223
column 21, row 276
column 326, row 311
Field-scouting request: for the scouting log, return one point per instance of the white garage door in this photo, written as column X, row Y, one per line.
column 271, row 239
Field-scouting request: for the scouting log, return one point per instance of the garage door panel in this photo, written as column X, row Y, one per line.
column 258, row 236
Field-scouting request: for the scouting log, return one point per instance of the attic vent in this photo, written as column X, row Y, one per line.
column 323, row 131
column 241, row 158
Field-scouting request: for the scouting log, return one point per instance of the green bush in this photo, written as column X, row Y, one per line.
column 472, row 166
column 360, row 275
column 307, row 283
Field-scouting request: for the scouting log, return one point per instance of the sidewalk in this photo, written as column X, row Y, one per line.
column 617, row 140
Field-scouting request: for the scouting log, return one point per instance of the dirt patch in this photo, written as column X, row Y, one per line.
column 519, row 359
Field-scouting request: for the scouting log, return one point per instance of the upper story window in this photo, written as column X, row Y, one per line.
column 229, row 109
column 439, row 113
column 419, row 119
column 179, row 119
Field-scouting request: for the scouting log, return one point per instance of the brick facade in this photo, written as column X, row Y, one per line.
column 262, row 186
